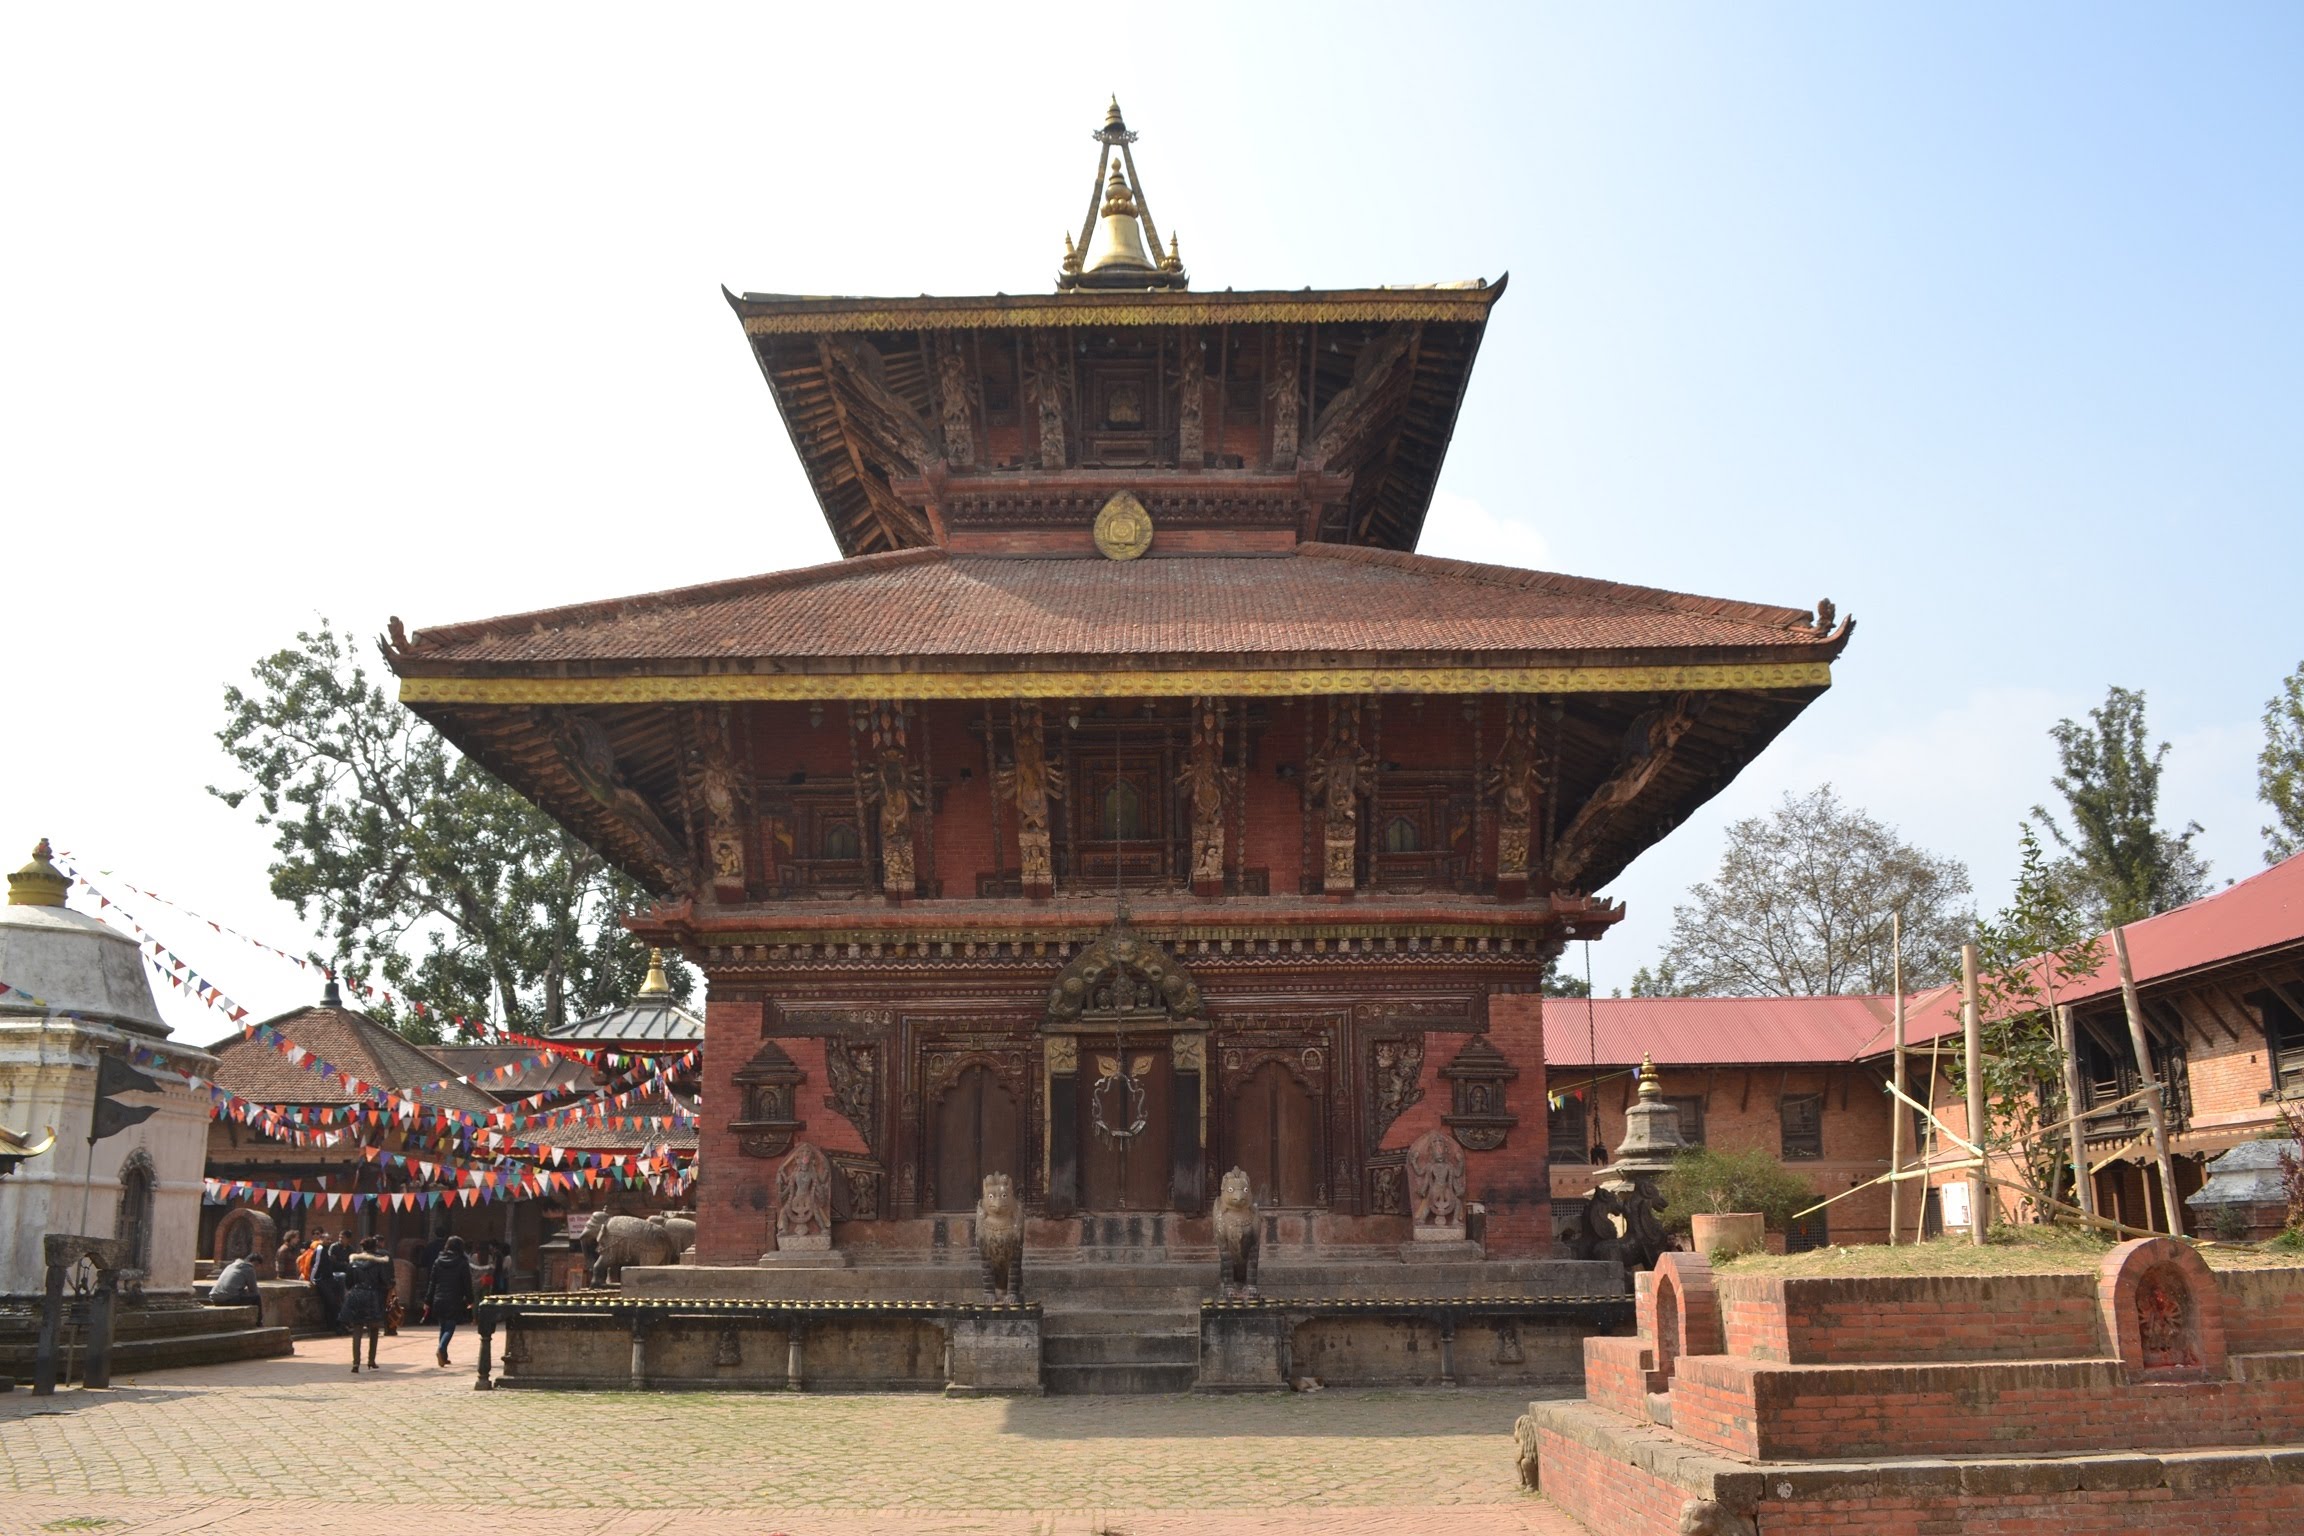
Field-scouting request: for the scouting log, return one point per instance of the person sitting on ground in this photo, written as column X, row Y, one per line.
column 448, row 1300
column 367, row 1282
column 235, row 1285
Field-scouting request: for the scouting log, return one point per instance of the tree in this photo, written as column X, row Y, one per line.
column 2280, row 769
column 1661, row 982
column 424, row 868
column 2043, row 947
column 1742, row 1179
column 1802, row 905
column 1558, row 983
column 2122, row 865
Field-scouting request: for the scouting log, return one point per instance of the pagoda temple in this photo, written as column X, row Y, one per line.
column 1131, row 802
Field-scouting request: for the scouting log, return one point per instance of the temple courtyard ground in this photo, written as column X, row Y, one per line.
column 300, row 1444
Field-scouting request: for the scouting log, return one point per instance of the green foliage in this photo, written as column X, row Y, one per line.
column 2122, row 866
column 1663, row 981
column 1558, row 983
column 2280, row 769
column 424, row 868
column 2039, row 949
column 1709, row 1179
column 1803, row 906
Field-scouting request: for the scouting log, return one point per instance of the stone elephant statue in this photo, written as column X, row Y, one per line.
column 615, row 1241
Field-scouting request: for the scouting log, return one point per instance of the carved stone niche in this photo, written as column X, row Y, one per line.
column 769, row 1085
column 1477, row 1078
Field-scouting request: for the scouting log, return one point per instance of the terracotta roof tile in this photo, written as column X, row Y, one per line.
column 1323, row 599
column 346, row 1039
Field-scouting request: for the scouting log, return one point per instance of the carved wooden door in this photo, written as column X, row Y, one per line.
column 1125, row 1116
column 1276, row 1136
column 976, row 1125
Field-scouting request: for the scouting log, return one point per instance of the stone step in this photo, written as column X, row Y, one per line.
column 1182, row 1319
column 166, row 1352
column 1116, row 1380
column 1120, row 1349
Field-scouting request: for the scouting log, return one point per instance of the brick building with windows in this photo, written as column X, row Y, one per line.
column 1799, row 1077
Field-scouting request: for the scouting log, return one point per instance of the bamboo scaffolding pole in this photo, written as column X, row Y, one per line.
column 1972, row 1027
column 2068, row 1051
column 1928, row 1126
column 2156, row 1104
column 1896, row 1115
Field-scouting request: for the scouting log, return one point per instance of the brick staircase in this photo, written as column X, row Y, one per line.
column 150, row 1338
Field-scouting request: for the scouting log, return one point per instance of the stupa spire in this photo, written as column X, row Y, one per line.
column 1119, row 245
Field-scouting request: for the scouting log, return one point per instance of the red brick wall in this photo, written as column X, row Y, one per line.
column 1609, row 1494
column 1770, row 1412
column 2263, row 1310
column 1618, row 1374
column 1514, row 1181
column 2265, row 1509
column 735, row 1194
column 1915, row 1318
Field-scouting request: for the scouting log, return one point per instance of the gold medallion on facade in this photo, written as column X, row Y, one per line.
column 1123, row 528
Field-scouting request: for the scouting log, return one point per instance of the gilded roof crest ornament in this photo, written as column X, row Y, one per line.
column 1119, row 245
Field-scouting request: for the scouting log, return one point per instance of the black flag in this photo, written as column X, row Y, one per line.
column 115, row 1076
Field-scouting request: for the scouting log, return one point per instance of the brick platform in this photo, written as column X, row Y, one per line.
column 2044, row 1403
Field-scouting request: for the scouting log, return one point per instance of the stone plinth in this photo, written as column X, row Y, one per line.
column 995, row 1354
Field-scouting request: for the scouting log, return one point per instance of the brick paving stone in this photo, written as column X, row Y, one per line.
column 294, row 1445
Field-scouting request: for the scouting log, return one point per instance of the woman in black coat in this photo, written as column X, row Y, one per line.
column 367, row 1294
column 448, row 1298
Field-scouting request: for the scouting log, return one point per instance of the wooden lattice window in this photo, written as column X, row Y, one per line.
column 1802, row 1118
column 2283, row 1041
column 1691, row 1110
column 1564, row 1125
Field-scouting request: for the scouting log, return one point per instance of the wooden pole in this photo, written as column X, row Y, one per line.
column 1928, row 1140
column 2155, row 1094
column 1896, row 1112
column 1979, row 1181
column 2068, row 1047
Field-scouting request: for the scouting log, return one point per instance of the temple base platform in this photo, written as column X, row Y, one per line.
column 1378, row 1317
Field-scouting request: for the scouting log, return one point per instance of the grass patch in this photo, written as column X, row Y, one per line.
column 2009, row 1251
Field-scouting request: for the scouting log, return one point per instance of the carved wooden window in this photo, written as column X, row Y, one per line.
column 1130, row 825
column 816, row 846
column 1423, row 835
column 1564, row 1125
column 1802, row 1119
column 2283, row 1041
column 1122, row 425
column 1690, row 1108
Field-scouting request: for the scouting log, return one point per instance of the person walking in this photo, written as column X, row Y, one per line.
column 367, row 1284
column 448, row 1301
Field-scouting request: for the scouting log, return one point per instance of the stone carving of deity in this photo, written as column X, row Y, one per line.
column 1436, row 1183
column 804, row 1199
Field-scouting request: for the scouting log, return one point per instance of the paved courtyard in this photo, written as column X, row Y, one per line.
column 300, row 1445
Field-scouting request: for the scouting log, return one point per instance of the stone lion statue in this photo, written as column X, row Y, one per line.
column 1524, row 1435
column 1704, row 1517
column 615, row 1241
column 1000, row 1238
column 1236, row 1237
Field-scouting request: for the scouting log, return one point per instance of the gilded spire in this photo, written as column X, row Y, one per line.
column 39, row 883
column 1119, row 245
column 657, row 984
column 1650, row 1086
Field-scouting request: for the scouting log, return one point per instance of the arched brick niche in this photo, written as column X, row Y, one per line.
column 1679, row 1311
column 2161, row 1311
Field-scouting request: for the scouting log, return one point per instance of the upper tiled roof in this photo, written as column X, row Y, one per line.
column 1323, row 599
column 350, row 1041
column 1705, row 1031
column 536, row 1076
column 645, row 1020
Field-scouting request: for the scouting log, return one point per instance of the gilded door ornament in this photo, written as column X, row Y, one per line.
column 1123, row 527
column 1341, row 779
column 1192, row 399
column 1123, row 982
column 1513, row 781
column 1063, row 1055
column 891, row 785
column 1116, row 1105
column 1208, row 781
column 1189, row 1052
column 1031, row 781
column 952, row 396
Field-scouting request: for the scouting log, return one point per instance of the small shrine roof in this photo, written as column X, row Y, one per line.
column 646, row 1020
column 352, row 1042
column 1321, row 599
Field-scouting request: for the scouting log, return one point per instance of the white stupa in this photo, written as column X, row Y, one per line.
column 77, row 991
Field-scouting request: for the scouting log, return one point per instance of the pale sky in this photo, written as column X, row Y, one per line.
column 1983, row 321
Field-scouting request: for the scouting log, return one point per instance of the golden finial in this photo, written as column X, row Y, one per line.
column 39, row 883
column 1071, row 253
column 1174, row 260
column 1112, row 117
column 657, row 984
column 1117, row 198
column 1650, row 1088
